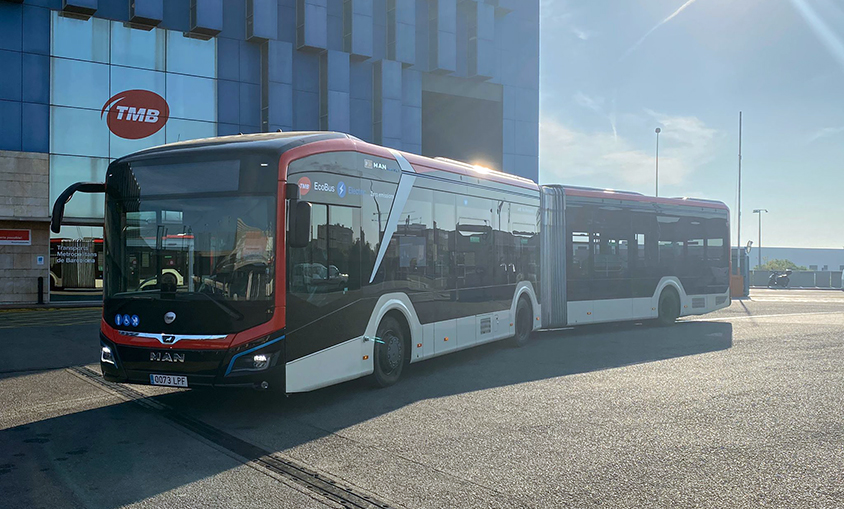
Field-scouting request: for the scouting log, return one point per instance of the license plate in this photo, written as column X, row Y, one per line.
column 169, row 380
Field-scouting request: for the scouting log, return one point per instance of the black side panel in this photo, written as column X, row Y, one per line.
column 621, row 249
column 459, row 248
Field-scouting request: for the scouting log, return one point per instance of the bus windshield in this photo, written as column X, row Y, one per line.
column 203, row 230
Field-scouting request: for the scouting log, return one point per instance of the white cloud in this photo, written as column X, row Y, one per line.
column 557, row 18
column 652, row 30
column 571, row 156
column 554, row 12
column 596, row 104
column 583, row 35
column 824, row 133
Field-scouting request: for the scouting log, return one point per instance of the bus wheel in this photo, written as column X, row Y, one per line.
column 669, row 307
column 388, row 357
column 524, row 323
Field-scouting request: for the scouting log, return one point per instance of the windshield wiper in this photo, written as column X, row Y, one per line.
column 146, row 295
column 136, row 292
column 225, row 306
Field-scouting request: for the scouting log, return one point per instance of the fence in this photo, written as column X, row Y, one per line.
column 801, row 278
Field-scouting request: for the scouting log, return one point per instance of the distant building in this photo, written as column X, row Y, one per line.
column 811, row 258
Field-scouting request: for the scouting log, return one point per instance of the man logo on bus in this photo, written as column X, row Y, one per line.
column 135, row 114
column 304, row 186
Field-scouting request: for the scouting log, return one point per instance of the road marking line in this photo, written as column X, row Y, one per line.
column 800, row 300
column 760, row 316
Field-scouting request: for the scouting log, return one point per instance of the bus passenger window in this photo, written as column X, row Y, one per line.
column 579, row 264
column 331, row 261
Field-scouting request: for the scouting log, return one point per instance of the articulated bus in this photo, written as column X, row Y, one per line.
column 293, row 261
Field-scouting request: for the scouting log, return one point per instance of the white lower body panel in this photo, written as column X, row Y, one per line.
column 643, row 308
column 354, row 358
column 336, row 364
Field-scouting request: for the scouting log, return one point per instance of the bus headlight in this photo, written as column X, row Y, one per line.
column 251, row 363
column 107, row 356
column 255, row 356
column 260, row 361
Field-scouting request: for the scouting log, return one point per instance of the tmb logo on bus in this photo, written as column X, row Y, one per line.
column 304, row 186
column 136, row 114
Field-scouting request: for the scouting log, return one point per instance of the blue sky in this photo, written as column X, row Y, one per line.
column 612, row 72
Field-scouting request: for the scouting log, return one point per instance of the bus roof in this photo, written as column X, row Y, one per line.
column 613, row 194
column 329, row 141
column 333, row 141
column 261, row 141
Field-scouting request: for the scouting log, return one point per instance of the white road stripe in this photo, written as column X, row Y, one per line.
column 750, row 317
column 792, row 299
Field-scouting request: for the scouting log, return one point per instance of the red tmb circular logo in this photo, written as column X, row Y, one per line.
column 136, row 114
column 304, row 186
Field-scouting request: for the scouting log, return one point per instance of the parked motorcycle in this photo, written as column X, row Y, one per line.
column 779, row 279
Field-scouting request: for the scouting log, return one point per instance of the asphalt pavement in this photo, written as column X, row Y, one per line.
column 739, row 408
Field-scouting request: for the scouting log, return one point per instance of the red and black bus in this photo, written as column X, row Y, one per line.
column 293, row 261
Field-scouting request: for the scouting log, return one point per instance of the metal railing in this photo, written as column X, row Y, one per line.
column 800, row 278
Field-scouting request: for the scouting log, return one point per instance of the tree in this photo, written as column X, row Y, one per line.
column 780, row 265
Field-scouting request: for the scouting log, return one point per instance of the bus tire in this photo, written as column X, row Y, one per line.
column 669, row 307
column 389, row 353
column 523, row 322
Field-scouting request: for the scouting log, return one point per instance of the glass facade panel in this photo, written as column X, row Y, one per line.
column 191, row 56
column 137, row 48
column 181, row 130
column 82, row 40
column 78, row 84
column 127, row 78
column 75, row 131
column 67, row 170
column 119, row 147
column 192, row 98
column 76, row 264
column 96, row 59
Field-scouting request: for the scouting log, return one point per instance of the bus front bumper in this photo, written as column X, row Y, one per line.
column 259, row 366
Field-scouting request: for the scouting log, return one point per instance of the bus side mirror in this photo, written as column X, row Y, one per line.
column 298, row 219
column 299, row 223
column 67, row 194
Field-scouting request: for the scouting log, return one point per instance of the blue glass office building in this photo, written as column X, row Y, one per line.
column 452, row 78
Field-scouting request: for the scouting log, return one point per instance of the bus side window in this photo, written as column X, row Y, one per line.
column 445, row 224
column 343, row 248
column 331, row 261
column 308, row 264
column 579, row 259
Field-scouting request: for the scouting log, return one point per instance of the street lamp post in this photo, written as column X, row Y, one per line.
column 759, row 247
column 657, row 131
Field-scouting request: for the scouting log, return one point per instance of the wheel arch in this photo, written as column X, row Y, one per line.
column 397, row 314
column 525, row 290
column 672, row 283
column 397, row 305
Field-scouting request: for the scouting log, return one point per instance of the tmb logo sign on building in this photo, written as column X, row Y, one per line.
column 136, row 114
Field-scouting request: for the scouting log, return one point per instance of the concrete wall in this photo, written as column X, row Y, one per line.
column 24, row 205
column 19, row 271
column 24, row 186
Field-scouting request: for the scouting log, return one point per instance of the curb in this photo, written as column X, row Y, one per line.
column 51, row 306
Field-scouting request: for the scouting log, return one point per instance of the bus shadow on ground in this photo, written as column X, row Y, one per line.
column 122, row 453
column 549, row 355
